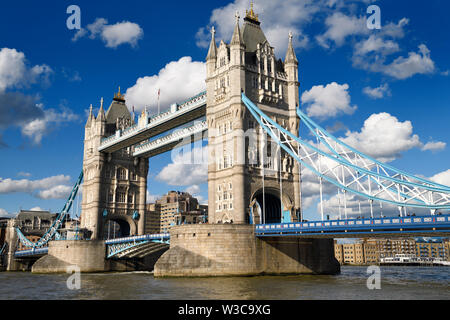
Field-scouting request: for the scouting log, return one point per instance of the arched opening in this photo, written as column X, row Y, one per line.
column 272, row 205
column 116, row 228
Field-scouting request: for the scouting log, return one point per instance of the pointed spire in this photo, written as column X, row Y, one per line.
column 212, row 52
column 290, row 54
column 237, row 38
column 101, row 113
column 90, row 117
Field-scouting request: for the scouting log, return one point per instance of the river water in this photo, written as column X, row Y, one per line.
column 402, row 283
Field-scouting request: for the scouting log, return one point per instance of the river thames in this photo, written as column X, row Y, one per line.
column 403, row 283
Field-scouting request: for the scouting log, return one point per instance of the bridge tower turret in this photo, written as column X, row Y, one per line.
column 235, row 171
column 115, row 184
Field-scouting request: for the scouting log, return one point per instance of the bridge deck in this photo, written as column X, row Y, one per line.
column 357, row 228
column 191, row 110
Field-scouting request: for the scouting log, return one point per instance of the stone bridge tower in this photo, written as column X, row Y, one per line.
column 115, row 184
column 237, row 191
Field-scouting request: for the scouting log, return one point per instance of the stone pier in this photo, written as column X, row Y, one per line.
column 233, row 250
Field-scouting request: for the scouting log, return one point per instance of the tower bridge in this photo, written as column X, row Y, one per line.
column 250, row 116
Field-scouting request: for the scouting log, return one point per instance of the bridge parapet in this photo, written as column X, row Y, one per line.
column 170, row 138
column 177, row 110
column 408, row 226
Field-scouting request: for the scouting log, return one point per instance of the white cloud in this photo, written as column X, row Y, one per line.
column 113, row 35
column 358, row 206
column 434, row 146
column 56, row 192
column 194, row 189
column 186, row 171
column 151, row 198
column 376, row 44
column 178, row 80
column 329, row 101
column 37, row 209
column 384, row 137
column 377, row 93
column 39, row 127
column 340, row 26
column 442, row 178
column 54, row 187
column 415, row 63
column 14, row 72
column 24, row 174
column 5, row 214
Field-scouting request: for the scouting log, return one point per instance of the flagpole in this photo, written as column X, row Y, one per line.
column 159, row 91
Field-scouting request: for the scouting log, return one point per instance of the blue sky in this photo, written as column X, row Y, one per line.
column 349, row 77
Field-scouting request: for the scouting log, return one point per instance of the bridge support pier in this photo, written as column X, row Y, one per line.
column 233, row 250
column 89, row 256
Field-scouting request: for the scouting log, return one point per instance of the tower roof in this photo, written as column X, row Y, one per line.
column 251, row 33
column 117, row 109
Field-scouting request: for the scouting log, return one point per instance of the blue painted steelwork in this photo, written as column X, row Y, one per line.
column 31, row 252
column 117, row 246
column 372, row 226
column 400, row 192
column 52, row 231
column 161, row 236
column 312, row 125
column 2, row 250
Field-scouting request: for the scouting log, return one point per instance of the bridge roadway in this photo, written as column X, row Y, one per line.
column 411, row 226
column 178, row 115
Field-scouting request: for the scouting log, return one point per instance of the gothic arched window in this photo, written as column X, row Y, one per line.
column 121, row 174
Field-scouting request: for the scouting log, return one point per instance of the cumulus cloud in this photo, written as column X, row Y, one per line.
column 186, row 169
column 378, row 92
column 15, row 72
column 151, row 198
column 25, row 111
column 54, row 187
column 383, row 137
column 415, row 63
column 340, row 26
column 442, row 178
column 434, row 146
column 6, row 214
column 37, row 209
column 328, row 101
column 178, row 80
column 112, row 35
column 56, row 192
column 18, row 109
column 39, row 127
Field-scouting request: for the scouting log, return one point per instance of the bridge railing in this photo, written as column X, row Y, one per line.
column 191, row 103
column 31, row 252
column 370, row 224
column 161, row 236
column 175, row 136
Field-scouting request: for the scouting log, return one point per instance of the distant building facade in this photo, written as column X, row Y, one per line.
column 371, row 251
column 174, row 208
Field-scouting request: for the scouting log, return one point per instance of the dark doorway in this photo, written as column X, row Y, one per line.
column 114, row 229
column 272, row 207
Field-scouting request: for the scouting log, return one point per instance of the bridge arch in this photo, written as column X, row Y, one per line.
column 118, row 226
column 270, row 198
